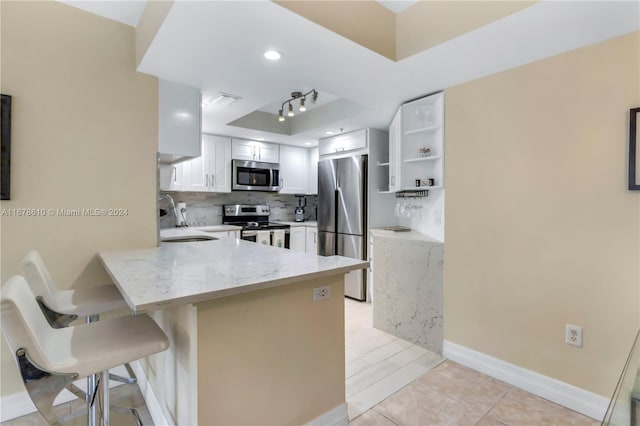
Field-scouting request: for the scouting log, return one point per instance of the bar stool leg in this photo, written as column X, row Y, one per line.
column 91, row 387
column 105, row 399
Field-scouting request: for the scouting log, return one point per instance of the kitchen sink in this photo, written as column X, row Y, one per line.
column 188, row 239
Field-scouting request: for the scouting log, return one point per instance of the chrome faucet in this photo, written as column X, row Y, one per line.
column 173, row 205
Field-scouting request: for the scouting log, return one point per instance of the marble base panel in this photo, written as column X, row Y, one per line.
column 408, row 288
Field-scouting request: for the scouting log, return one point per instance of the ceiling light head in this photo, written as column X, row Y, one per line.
column 294, row 96
column 272, row 55
column 329, row 132
column 307, row 143
column 260, row 139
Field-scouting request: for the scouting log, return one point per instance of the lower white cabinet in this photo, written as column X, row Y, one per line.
column 312, row 240
column 221, row 234
column 297, row 240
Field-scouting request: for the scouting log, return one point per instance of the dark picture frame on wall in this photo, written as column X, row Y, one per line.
column 634, row 154
column 5, row 147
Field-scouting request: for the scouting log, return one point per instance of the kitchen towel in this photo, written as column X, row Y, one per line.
column 278, row 238
column 262, row 237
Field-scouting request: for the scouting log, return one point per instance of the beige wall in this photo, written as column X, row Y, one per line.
column 428, row 23
column 540, row 228
column 367, row 23
column 271, row 357
column 84, row 136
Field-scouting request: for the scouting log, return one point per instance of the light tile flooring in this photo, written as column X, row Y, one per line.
column 391, row 382
column 426, row 391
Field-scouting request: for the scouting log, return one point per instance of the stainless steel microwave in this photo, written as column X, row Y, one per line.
column 255, row 176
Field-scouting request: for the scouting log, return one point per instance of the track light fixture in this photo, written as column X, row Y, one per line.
column 294, row 96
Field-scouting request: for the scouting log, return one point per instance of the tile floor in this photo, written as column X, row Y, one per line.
column 391, row 382
column 427, row 391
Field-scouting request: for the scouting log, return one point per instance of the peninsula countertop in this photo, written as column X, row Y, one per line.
column 179, row 273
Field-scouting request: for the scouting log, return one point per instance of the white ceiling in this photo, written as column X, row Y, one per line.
column 127, row 12
column 218, row 46
column 397, row 6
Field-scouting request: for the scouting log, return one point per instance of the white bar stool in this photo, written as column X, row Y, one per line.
column 62, row 307
column 48, row 358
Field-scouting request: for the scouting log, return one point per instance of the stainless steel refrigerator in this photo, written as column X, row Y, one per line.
column 342, row 215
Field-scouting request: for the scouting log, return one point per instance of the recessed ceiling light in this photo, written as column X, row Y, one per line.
column 329, row 132
column 260, row 139
column 308, row 143
column 272, row 55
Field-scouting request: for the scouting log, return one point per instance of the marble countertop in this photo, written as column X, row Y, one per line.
column 179, row 273
column 407, row 236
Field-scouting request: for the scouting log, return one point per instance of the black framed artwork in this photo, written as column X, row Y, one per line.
column 5, row 146
column 634, row 155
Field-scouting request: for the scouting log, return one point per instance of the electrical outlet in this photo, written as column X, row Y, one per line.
column 321, row 293
column 573, row 335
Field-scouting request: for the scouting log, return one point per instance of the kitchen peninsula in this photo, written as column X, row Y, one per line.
column 248, row 344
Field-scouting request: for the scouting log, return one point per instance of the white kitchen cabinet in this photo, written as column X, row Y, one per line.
column 313, row 171
column 394, row 165
column 294, row 171
column 211, row 171
column 345, row 142
column 175, row 182
column 297, row 238
column 179, row 122
column 311, row 240
column 219, row 163
column 243, row 149
column 222, row 234
column 422, row 140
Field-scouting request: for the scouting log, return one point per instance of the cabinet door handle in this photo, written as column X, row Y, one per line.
column 314, row 238
column 393, row 180
column 206, row 180
column 213, row 179
column 175, row 173
column 259, row 153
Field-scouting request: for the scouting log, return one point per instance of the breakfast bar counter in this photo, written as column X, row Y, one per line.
column 248, row 342
column 190, row 272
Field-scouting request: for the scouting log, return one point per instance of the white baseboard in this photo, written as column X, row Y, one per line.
column 19, row 404
column 572, row 397
column 339, row 416
column 150, row 398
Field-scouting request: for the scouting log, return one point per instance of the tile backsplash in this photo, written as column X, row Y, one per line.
column 206, row 209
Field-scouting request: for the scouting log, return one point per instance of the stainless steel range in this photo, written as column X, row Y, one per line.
column 255, row 224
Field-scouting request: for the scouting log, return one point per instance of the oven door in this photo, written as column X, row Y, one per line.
column 255, row 176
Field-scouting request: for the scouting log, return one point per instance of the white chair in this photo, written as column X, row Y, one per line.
column 49, row 359
column 62, row 307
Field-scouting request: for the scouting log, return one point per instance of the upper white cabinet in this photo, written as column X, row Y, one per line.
column 422, row 146
column 211, row 172
column 294, row 172
column 416, row 145
column 172, row 176
column 394, row 165
column 219, row 163
column 255, row 151
column 345, row 142
column 179, row 122
column 313, row 171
